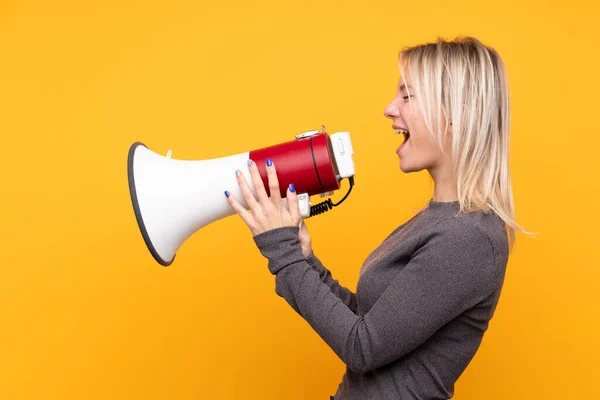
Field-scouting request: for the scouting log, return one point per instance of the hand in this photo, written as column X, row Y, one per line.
column 305, row 241
column 267, row 213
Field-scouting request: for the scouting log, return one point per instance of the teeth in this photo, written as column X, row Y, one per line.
column 399, row 131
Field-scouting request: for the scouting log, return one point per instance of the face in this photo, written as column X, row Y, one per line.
column 420, row 149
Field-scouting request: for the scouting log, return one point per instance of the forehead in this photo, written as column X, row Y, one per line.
column 404, row 81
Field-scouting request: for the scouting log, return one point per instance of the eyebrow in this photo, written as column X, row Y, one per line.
column 403, row 87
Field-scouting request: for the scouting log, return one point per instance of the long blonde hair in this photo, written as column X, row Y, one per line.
column 464, row 82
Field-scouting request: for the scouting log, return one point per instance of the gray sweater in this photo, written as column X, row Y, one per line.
column 422, row 304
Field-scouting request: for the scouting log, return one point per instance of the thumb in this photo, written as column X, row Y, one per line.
column 303, row 227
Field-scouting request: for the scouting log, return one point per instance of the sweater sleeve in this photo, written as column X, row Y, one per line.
column 345, row 294
column 450, row 272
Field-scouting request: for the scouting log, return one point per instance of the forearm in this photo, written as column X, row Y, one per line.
column 345, row 294
column 301, row 285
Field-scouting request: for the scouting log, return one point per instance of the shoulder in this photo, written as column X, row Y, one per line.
column 473, row 244
column 484, row 232
column 457, row 234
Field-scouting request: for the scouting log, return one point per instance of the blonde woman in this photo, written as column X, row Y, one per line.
column 425, row 296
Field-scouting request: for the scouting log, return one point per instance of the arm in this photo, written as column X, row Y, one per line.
column 347, row 297
column 449, row 273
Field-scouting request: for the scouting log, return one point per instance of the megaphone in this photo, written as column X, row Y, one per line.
column 173, row 198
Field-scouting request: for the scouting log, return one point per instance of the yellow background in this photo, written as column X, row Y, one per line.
column 86, row 313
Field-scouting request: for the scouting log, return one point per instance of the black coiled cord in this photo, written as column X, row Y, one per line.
column 327, row 205
column 321, row 208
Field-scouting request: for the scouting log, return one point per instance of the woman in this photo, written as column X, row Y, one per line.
column 426, row 294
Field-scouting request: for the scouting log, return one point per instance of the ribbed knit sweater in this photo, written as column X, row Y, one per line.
column 423, row 301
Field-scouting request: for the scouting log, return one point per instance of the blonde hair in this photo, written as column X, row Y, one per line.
column 464, row 82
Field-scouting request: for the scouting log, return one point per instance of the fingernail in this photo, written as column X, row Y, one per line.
column 269, row 162
column 238, row 172
column 226, row 193
column 249, row 162
column 292, row 188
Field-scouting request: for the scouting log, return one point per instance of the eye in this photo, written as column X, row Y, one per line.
column 407, row 96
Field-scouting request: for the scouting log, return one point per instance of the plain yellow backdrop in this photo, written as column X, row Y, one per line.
column 86, row 313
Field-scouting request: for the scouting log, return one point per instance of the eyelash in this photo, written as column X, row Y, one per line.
column 407, row 96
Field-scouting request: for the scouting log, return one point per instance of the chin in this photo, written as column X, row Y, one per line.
column 408, row 168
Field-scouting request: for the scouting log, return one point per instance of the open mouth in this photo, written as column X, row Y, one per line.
column 404, row 132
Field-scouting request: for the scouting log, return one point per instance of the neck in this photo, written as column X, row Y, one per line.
column 444, row 185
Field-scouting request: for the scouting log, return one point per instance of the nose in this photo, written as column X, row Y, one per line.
column 391, row 110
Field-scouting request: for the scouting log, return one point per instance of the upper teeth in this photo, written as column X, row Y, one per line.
column 401, row 131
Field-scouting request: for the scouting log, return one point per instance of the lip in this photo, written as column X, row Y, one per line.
column 399, row 127
column 399, row 149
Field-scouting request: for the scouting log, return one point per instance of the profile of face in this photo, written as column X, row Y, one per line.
column 420, row 149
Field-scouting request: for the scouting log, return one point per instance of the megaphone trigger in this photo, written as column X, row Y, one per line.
column 304, row 204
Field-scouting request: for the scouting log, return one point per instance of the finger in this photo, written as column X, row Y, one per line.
column 258, row 183
column 292, row 200
column 303, row 227
column 240, row 210
column 246, row 192
column 274, row 184
column 303, row 232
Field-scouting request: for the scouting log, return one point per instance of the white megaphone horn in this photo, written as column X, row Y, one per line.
column 172, row 198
